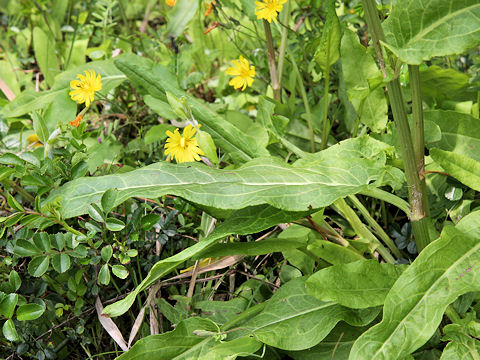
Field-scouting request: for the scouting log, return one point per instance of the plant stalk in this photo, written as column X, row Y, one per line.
column 325, row 129
column 417, row 199
column 271, row 60
column 283, row 43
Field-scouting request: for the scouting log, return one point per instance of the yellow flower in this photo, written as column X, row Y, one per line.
column 269, row 9
column 183, row 148
column 171, row 2
column 84, row 89
column 243, row 72
column 33, row 140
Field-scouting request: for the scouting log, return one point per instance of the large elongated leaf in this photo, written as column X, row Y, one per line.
column 244, row 221
column 460, row 132
column 462, row 168
column 157, row 79
column 444, row 270
column 294, row 320
column 313, row 182
column 44, row 47
column 180, row 344
column 418, row 30
column 360, row 284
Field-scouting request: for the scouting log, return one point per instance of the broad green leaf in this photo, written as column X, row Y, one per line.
column 40, row 127
column 38, row 265
column 9, row 331
column 464, row 169
column 460, row 132
column 44, row 47
column 29, row 101
column 106, row 253
column 230, row 350
column 417, row 30
column 108, row 200
column 334, row 253
column 120, row 271
column 336, row 345
column 162, row 108
column 29, row 312
column 415, row 304
column 157, row 79
column 14, row 281
column 61, row 262
column 25, row 248
column 114, row 224
column 104, row 275
column 263, row 247
column 441, row 84
column 180, row 16
column 7, row 305
column 244, row 221
column 294, row 320
column 357, row 285
column 42, row 241
column 157, row 133
column 315, row 181
column 221, row 311
column 328, row 52
column 205, row 142
column 14, row 204
column 60, row 111
column 95, row 212
column 179, row 344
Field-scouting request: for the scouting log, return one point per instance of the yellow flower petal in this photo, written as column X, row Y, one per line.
column 83, row 90
column 183, row 148
column 243, row 72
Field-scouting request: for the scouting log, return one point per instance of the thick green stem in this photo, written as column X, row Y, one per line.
column 416, row 197
column 283, row 43
column 418, row 130
column 375, row 226
column 360, row 228
column 325, row 129
column 271, row 60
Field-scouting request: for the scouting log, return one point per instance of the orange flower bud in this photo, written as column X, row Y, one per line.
column 171, row 2
column 77, row 121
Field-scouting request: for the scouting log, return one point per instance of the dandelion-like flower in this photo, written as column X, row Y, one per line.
column 183, row 148
column 269, row 9
column 243, row 72
column 84, row 89
column 171, row 2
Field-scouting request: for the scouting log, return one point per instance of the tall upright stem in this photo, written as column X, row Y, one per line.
column 283, row 43
column 415, row 194
column 325, row 129
column 271, row 60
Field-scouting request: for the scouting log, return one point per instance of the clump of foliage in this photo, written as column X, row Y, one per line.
column 231, row 179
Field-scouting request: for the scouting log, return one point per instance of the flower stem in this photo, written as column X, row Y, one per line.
column 415, row 194
column 325, row 129
column 283, row 44
column 271, row 60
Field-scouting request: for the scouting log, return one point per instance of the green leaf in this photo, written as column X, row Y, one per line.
column 114, row 224
column 244, row 221
column 29, row 312
column 315, row 181
column 294, row 320
column 40, row 127
column 180, row 16
column 120, row 271
column 9, row 331
column 163, row 109
column 7, row 305
column 461, row 346
column 263, row 247
column 415, row 304
column 230, row 350
column 14, row 281
column 25, row 248
column 42, row 241
column 357, row 285
column 61, row 262
column 104, row 275
column 179, row 344
column 108, row 200
column 157, row 132
column 329, row 50
column 95, row 212
column 38, row 265
column 417, row 30
column 460, row 132
column 334, row 253
column 205, row 142
column 44, row 47
column 14, row 204
column 106, row 253
column 157, row 80
column 464, row 169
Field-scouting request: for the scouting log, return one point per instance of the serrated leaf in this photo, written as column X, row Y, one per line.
column 120, row 271
column 14, row 204
column 414, row 307
column 9, row 331
column 417, row 30
column 315, row 181
column 7, row 305
column 42, row 241
column 244, row 221
column 25, row 248
column 294, row 320
column 464, row 169
column 104, row 275
column 38, row 265
column 29, row 312
column 357, row 285
column 61, row 262
column 179, row 344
